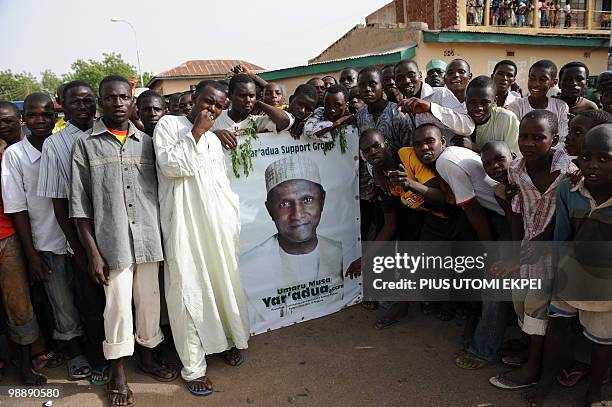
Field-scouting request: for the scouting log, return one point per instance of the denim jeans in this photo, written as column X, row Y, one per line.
column 59, row 289
column 489, row 334
column 490, row 331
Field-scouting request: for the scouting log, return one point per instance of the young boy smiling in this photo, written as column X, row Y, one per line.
column 542, row 77
column 492, row 122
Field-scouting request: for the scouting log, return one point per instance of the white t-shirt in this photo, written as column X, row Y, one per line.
column 521, row 107
column 462, row 170
column 20, row 169
column 261, row 123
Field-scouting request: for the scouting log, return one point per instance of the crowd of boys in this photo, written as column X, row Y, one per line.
column 123, row 222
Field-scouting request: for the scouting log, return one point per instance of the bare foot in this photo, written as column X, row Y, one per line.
column 536, row 396
column 522, row 376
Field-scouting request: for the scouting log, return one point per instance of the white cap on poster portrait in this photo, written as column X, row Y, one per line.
column 292, row 167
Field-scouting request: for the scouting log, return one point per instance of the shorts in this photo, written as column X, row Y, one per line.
column 597, row 325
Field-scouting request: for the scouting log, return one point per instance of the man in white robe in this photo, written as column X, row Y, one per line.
column 200, row 226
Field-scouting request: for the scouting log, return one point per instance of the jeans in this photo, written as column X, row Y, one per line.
column 59, row 289
column 489, row 334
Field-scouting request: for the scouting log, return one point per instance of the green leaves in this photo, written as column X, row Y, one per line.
column 242, row 155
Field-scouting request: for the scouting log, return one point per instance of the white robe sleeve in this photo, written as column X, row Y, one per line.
column 176, row 151
column 450, row 112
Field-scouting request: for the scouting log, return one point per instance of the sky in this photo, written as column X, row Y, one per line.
column 52, row 34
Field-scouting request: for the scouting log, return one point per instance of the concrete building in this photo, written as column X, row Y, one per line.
column 448, row 29
column 187, row 75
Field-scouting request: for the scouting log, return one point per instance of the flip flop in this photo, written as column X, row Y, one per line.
column 386, row 322
column 78, row 363
column 469, row 361
column 502, row 383
column 233, row 361
column 571, row 378
column 103, row 373
column 201, row 380
column 154, row 374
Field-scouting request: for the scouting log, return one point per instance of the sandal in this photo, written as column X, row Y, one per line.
column 386, row 322
column 157, row 372
column 469, row 361
column 51, row 359
column 202, row 380
column 503, row 383
column 124, row 391
column 233, row 357
column 103, row 373
column 78, row 363
column 571, row 377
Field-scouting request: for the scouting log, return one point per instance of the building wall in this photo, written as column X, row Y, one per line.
column 385, row 14
column 483, row 57
column 292, row 83
column 365, row 39
column 169, row 86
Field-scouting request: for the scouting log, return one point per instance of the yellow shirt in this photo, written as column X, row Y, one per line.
column 422, row 174
column 59, row 125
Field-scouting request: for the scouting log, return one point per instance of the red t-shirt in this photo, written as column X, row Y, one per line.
column 6, row 224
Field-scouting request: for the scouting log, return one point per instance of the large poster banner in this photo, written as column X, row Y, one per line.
column 299, row 211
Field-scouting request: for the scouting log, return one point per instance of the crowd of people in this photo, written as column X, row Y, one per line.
column 119, row 230
column 519, row 13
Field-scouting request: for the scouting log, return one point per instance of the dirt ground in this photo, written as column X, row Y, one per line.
column 339, row 360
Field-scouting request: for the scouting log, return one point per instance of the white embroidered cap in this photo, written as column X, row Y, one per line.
column 292, row 167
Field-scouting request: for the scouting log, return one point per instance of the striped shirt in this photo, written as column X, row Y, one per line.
column 537, row 209
column 56, row 161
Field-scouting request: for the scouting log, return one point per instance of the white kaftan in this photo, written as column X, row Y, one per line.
column 200, row 226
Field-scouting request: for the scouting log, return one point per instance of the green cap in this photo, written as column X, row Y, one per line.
column 436, row 64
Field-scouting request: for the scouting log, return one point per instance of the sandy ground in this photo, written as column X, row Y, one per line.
column 339, row 360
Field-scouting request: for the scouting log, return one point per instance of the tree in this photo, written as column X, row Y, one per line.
column 93, row 72
column 50, row 82
column 17, row 86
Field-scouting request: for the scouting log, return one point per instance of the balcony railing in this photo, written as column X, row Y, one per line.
column 601, row 20
column 519, row 13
